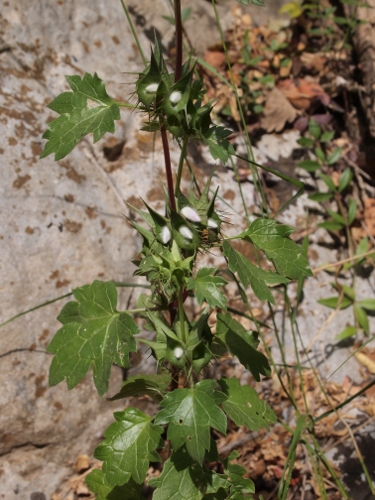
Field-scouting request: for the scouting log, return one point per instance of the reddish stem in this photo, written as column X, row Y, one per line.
column 168, row 167
column 178, row 21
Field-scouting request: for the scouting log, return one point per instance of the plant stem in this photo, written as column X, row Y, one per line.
column 178, row 21
column 168, row 166
column 181, row 316
column 180, row 165
column 134, row 33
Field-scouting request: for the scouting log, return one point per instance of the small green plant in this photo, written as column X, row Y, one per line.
column 345, row 299
column 94, row 333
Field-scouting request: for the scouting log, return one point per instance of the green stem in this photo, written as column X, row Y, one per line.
column 134, row 33
column 180, row 165
column 178, row 21
column 168, row 166
column 181, row 316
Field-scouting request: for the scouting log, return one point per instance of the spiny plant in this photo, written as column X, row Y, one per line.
column 95, row 333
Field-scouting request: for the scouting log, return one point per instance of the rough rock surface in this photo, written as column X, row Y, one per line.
column 61, row 224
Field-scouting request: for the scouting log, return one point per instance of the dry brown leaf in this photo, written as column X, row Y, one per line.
column 82, row 463
column 301, row 93
column 369, row 215
column 215, row 58
column 277, row 111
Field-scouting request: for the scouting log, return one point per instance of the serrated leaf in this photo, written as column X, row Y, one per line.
column 190, row 414
column 242, row 344
column 333, row 302
column 218, row 144
column 88, row 109
column 245, row 407
column 285, row 254
column 184, row 479
column 141, row 385
column 94, row 333
column 129, row 446
column 98, row 484
column 252, row 275
column 206, row 287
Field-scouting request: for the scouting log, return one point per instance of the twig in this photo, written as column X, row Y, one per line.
column 344, row 261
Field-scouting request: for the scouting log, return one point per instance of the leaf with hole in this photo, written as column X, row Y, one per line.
column 190, row 414
column 244, row 406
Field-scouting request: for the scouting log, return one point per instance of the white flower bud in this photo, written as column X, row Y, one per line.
column 165, row 235
column 212, row 224
column 152, row 88
column 186, row 233
column 178, row 352
column 190, row 214
column 175, row 97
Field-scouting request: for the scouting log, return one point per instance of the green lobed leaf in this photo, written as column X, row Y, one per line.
column 88, row 109
column 141, row 385
column 242, row 344
column 190, row 414
column 206, row 287
column 244, row 405
column 218, row 144
column 184, row 479
column 94, row 333
column 98, row 484
column 241, row 486
column 252, row 275
column 129, row 446
column 285, row 254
